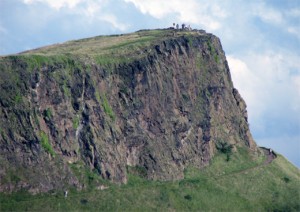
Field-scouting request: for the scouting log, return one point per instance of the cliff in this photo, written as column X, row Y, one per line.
column 158, row 101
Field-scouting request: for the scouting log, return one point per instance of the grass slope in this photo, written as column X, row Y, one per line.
column 110, row 50
column 240, row 184
column 105, row 45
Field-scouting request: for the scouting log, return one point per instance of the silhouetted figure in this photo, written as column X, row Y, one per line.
column 66, row 193
column 183, row 26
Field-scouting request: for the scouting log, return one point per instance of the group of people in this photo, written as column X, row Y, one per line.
column 183, row 27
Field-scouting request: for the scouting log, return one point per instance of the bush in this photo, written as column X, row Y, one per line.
column 137, row 170
column 48, row 113
column 225, row 148
column 188, row 197
column 84, row 201
column 286, row 179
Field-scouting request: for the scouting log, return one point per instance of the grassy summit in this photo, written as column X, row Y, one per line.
column 106, row 45
column 103, row 50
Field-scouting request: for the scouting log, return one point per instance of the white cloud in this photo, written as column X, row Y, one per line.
column 296, row 84
column 294, row 31
column 188, row 11
column 157, row 9
column 283, row 19
column 295, row 12
column 56, row 4
column 3, row 30
column 296, row 81
column 265, row 81
column 268, row 14
column 92, row 8
column 113, row 21
column 88, row 10
column 248, row 83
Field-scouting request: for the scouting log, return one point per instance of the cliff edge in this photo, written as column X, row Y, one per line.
column 156, row 100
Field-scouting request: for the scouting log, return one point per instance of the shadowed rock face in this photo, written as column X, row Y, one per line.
column 163, row 110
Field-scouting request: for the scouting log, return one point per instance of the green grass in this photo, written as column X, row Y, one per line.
column 103, row 49
column 213, row 51
column 107, row 108
column 18, row 98
column 46, row 144
column 101, row 98
column 76, row 121
column 222, row 186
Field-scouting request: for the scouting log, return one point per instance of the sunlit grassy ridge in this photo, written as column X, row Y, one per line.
column 113, row 49
column 113, row 44
column 222, row 186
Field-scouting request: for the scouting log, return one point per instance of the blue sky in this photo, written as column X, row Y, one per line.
column 261, row 39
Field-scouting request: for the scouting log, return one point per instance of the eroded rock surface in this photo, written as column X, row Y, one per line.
column 162, row 110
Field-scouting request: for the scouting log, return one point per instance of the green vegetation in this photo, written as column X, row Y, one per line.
column 241, row 184
column 101, row 98
column 76, row 121
column 225, row 148
column 46, row 144
column 199, row 61
column 36, row 119
column 137, row 171
column 107, row 108
column 18, row 98
column 108, row 60
column 66, row 89
column 89, row 177
column 286, row 179
column 106, row 51
column 35, row 61
column 101, row 45
column 11, row 177
column 98, row 97
column 4, row 136
column 190, row 40
column 48, row 113
column 213, row 51
column 123, row 52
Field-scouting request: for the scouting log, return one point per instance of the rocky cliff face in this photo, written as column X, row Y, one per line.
column 158, row 101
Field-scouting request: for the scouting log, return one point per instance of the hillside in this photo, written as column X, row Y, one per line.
column 151, row 115
column 222, row 186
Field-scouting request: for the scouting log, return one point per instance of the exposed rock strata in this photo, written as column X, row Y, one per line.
column 164, row 111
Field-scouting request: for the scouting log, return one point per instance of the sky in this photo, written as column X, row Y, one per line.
column 261, row 39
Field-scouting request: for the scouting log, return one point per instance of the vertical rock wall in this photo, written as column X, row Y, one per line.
column 162, row 112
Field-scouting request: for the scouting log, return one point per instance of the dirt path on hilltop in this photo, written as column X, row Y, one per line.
column 270, row 156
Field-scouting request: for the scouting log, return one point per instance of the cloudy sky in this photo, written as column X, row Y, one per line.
column 261, row 39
